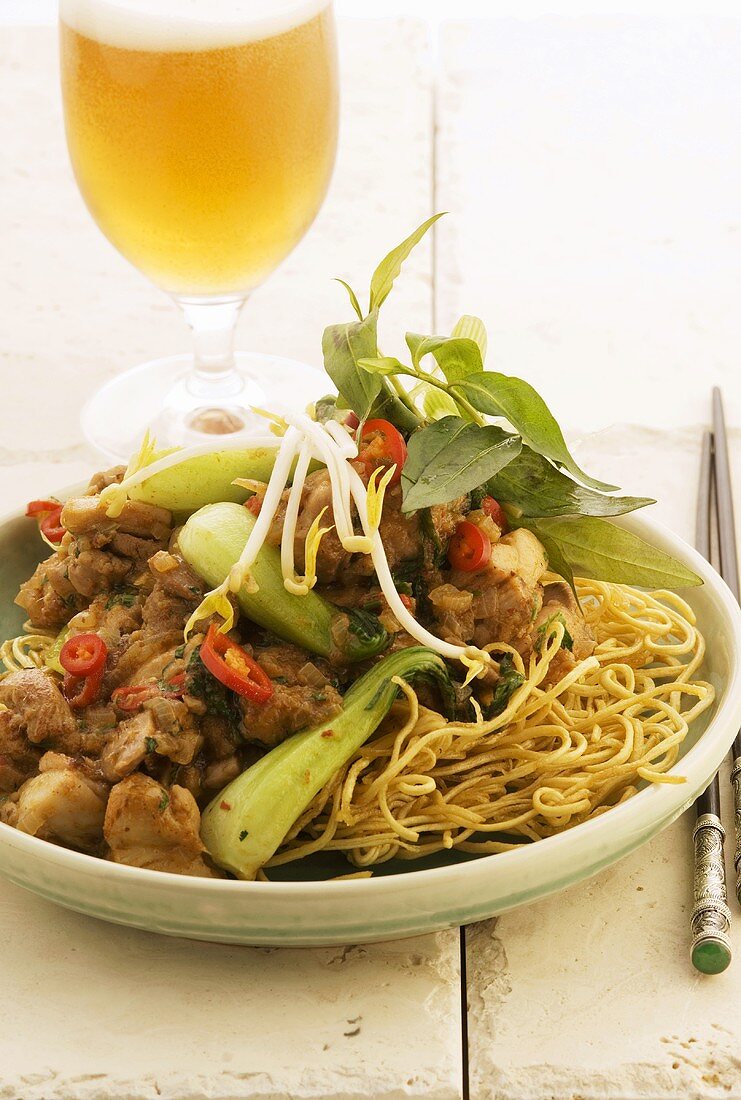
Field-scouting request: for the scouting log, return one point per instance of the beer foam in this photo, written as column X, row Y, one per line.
column 173, row 25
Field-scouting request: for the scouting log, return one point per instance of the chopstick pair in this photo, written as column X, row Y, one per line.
column 715, row 538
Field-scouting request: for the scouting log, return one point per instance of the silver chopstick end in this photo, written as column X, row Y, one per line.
column 711, row 917
column 736, row 784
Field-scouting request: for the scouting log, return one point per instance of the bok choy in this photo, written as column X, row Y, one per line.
column 246, row 823
column 211, row 542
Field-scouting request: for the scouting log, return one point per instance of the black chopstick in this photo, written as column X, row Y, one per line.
column 729, row 572
column 710, row 922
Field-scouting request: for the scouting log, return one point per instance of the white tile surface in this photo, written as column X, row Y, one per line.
column 94, row 1011
column 593, row 171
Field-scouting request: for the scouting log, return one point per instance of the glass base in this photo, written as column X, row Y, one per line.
column 194, row 408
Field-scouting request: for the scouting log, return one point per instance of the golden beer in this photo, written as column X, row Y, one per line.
column 203, row 160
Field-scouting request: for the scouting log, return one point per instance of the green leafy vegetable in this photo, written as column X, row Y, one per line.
column 503, row 395
column 545, row 630
column 390, row 266
column 363, row 391
column 125, row 597
column 537, row 488
column 384, row 365
column 456, row 356
column 218, row 699
column 472, row 328
column 507, row 684
column 451, row 457
column 597, row 548
column 343, row 346
column 353, row 298
column 245, row 824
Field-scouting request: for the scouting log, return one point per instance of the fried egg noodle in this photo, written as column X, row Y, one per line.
column 557, row 756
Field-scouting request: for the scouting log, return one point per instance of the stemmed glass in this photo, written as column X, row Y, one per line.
column 202, row 137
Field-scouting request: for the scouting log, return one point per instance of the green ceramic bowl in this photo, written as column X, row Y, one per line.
column 402, row 899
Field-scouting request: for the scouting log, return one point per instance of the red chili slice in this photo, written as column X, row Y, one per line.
column 234, row 668
column 83, row 654
column 469, row 549
column 39, row 507
column 130, row 697
column 494, row 510
column 386, row 447
column 175, row 687
column 81, row 691
column 51, row 525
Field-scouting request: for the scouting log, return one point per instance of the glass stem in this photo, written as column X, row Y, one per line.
column 213, row 321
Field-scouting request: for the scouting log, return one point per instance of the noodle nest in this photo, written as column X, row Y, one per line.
column 556, row 756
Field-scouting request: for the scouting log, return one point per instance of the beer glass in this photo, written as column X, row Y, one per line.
column 202, row 134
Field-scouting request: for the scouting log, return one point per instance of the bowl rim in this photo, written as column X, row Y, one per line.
column 656, row 804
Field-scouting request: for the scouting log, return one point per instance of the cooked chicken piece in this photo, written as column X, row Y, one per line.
column 127, row 747
column 40, row 600
column 400, row 534
column 111, row 619
column 518, row 553
column 446, row 517
column 176, row 731
column 560, row 601
column 316, row 495
column 94, row 571
column 62, row 804
column 217, row 775
column 133, row 547
column 506, row 593
column 505, row 612
column 44, row 712
column 101, row 481
column 141, row 658
column 295, row 703
column 452, row 609
column 163, row 726
column 219, row 736
column 18, row 758
column 87, row 516
column 9, row 810
column 174, row 597
column 147, row 825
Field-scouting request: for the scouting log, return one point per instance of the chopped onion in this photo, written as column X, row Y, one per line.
column 163, row 562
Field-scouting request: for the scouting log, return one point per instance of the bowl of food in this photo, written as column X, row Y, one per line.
column 394, row 665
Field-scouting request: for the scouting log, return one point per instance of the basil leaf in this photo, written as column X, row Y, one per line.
column 538, row 489
column 383, row 365
column 473, row 328
column 596, row 548
column 436, row 403
column 353, row 298
column 457, row 357
column 504, row 395
column 390, row 266
column 451, row 457
column 343, row 346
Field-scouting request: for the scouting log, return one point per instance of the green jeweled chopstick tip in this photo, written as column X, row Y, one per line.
column 711, row 956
